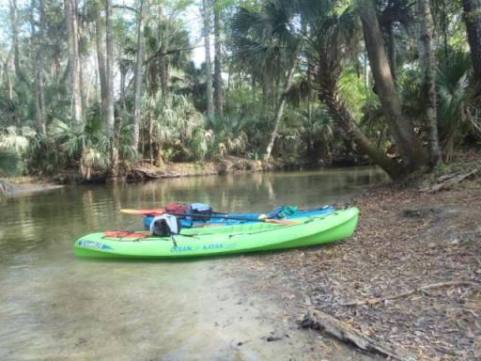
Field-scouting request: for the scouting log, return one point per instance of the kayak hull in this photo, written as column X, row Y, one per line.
column 224, row 240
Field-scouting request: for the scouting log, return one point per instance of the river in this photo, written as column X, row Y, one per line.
column 56, row 307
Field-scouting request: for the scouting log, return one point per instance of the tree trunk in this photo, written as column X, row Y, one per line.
column 74, row 61
column 280, row 108
column 100, row 45
column 208, row 65
column 6, row 77
column 164, row 74
column 38, row 37
column 138, row 76
column 110, row 116
column 472, row 18
column 401, row 128
column 328, row 95
column 16, row 51
column 163, row 60
column 428, row 64
column 152, row 77
column 392, row 50
column 219, row 92
column 123, row 73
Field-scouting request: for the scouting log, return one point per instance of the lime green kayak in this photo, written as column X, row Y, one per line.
column 212, row 240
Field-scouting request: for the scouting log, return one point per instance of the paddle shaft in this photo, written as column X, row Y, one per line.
column 207, row 217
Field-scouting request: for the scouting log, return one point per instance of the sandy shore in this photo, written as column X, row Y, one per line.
column 409, row 279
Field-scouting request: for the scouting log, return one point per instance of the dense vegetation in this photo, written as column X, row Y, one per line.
column 98, row 85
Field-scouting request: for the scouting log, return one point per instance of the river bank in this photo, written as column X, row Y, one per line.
column 141, row 172
column 410, row 279
column 16, row 186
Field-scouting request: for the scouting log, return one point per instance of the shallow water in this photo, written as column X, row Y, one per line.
column 56, row 307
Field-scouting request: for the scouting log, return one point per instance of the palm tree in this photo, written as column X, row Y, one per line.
column 329, row 34
column 400, row 127
column 265, row 38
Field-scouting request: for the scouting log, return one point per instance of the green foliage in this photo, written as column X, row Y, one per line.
column 353, row 89
column 14, row 143
column 454, row 98
column 259, row 41
column 175, row 124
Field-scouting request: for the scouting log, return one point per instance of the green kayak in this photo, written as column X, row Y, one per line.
column 212, row 240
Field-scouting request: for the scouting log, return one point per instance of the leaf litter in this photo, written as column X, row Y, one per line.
column 410, row 278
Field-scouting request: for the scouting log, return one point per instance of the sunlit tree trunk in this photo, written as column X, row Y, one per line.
column 401, row 128
column 428, row 64
column 110, row 116
column 163, row 61
column 6, row 76
column 206, row 13
column 74, row 61
column 138, row 75
column 100, row 47
column 38, row 37
column 14, row 26
column 219, row 91
column 280, row 108
column 472, row 18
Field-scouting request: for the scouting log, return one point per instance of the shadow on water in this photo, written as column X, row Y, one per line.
column 56, row 306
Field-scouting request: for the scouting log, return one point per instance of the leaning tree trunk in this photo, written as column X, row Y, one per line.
column 329, row 95
column 428, row 64
column 401, row 128
column 280, row 108
column 219, row 92
column 110, row 116
column 208, row 64
column 138, row 76
column 74, row 61
column 472, row 18
column 392, row 49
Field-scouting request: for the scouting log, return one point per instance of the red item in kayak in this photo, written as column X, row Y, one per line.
column 177, row 208
column 124, row 234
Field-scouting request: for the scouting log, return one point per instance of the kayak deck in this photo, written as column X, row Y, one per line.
column 211, row 241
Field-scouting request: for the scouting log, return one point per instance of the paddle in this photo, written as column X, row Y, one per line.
column 208, row 216
column 144, row 212
column 160, row 211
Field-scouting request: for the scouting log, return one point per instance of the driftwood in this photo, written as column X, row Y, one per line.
column 448, row 180
column 344, row 332
column 373, row 301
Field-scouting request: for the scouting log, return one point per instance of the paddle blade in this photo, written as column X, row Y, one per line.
column 144, row 212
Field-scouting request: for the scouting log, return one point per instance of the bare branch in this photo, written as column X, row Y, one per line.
column 125, row 7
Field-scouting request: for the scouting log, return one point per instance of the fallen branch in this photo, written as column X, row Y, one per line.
column 449, row 180
column 142, row 174
column 373, row 301
column 321, row 321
